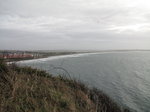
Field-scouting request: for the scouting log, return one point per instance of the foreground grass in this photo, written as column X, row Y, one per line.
column 30, row 90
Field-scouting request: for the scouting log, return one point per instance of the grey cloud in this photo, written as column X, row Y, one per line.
column 74, row 24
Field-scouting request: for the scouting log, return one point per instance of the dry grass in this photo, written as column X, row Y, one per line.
column 30, row 90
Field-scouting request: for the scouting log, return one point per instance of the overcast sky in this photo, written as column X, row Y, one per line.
column 74, row 24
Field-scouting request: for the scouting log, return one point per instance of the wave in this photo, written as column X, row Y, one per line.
column 55, row 57
column 68, row 56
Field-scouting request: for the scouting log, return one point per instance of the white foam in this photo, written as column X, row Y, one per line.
column 54, row 58
column 65, row 56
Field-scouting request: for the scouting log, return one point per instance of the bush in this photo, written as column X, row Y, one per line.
column 3, row 66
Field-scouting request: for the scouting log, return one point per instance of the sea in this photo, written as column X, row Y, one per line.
column 123, row 75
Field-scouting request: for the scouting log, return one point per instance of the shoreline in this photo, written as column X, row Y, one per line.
column 69, row 55
column 31, row 59
column 74, row 55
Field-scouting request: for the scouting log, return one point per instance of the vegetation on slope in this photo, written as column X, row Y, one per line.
column 31, row 90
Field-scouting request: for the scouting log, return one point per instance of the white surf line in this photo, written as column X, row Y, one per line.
column 59, row 57
column 50, row 58
column 54, row 57
column 65, row 56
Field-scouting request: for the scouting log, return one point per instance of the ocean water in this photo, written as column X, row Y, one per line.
column 124, row 76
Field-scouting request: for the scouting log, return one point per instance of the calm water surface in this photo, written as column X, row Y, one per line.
column 124, row 76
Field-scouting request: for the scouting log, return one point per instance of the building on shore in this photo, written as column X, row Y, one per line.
column 9, row 55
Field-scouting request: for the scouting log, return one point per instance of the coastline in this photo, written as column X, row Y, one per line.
column 75, row 55
column 57, row 57
column 68, row 54
column 42, row 58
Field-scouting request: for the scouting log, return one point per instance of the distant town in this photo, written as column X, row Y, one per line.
column 18, row 54
column 13, row 55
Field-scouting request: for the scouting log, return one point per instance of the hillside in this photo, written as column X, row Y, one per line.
column 30, row 90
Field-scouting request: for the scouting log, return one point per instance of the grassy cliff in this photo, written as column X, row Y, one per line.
column 31, row 90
